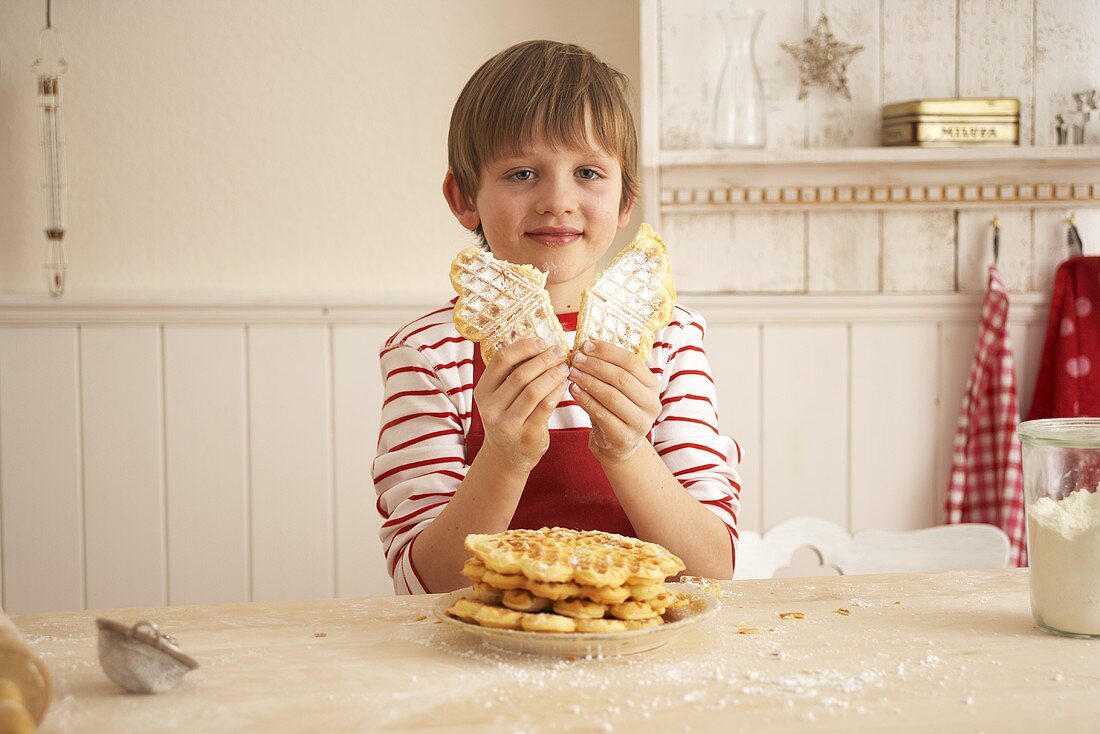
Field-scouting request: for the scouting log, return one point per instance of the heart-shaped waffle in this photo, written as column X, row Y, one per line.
column 632, row 298
column 500, row 303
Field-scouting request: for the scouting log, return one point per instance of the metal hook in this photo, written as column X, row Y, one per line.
column 1073, row 238
column 996, row 240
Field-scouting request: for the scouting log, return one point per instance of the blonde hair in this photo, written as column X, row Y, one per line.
column 541, row 88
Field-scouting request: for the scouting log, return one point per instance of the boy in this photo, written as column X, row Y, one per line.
column 543, row 169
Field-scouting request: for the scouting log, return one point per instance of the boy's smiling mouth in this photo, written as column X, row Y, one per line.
column 554, row 236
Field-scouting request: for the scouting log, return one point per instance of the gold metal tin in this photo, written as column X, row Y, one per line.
column 963, row 107
column 952, row 122
column 959, row 132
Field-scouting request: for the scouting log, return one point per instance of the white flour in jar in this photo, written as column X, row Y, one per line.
column 1064, row 555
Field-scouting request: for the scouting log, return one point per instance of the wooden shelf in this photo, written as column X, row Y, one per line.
column 879, row 178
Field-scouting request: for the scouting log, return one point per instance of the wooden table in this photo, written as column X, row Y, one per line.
column 917, row 652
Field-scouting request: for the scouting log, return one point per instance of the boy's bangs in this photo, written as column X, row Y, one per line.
column 572, row 127
column 561, row 95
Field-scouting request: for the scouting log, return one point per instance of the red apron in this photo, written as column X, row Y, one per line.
column 567, row 488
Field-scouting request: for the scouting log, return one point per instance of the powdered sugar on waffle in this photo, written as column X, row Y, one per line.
column 619, row 299
column 500, row 303
column 632, row 298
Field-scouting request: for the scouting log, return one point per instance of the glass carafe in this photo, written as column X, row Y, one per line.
column 1061, row 459
column 739, row 99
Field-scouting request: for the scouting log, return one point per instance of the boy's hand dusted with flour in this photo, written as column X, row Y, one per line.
column 621, row 396
column 516, row 395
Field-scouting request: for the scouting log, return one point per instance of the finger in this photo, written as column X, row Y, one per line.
column 614, row 401
column 546, row 387
column 521, row 375
column 507, row 358
column 540, row 415
column 589, row 367
column 613, row 427
column 623, row 358
column 525, row 373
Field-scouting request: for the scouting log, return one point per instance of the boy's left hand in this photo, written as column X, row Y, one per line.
column 621, row 396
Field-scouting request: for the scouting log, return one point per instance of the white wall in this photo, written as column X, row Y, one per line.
column 258, row 147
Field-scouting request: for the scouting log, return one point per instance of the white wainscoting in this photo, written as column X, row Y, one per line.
column 190, row 452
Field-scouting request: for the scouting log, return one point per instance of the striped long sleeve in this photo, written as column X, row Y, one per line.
column 686, row 434
column 427, row 370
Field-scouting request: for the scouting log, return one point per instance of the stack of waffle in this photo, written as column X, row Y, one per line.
column 561, row 580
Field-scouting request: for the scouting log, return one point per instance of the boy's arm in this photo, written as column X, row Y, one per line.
column 680, row 490
column 484, row 503
column 421, row 457
column 516, row 395
column 662, row 511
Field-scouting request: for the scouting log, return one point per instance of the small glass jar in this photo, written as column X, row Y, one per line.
column 1061, row 461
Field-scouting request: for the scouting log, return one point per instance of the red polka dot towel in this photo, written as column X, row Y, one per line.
column 1068, row 385
column 986, row 478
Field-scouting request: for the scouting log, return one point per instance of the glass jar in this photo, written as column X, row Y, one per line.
column 1061, row 461
column 739, row 102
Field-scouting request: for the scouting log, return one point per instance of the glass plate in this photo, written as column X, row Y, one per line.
column 577, row 644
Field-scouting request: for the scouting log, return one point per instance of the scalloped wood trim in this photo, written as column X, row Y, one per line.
column 935, row 196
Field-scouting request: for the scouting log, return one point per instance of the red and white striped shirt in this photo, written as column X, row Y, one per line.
column 427, row 368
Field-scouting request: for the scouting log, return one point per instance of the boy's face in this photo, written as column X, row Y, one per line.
column 554, row 208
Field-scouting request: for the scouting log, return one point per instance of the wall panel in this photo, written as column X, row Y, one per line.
column 206, row 419
column 893, row 445
column 124, row 487
column 291, row 458
column 41, row 474
column 805, row 411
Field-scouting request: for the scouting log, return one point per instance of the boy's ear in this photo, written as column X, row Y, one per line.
column 624, row 215
column 463, row 210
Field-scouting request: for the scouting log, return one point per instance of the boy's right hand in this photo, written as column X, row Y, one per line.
column 516, row 394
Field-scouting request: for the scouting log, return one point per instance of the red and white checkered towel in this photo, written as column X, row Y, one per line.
column 986, row 477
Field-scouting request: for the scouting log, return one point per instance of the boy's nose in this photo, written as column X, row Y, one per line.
column 557, row 198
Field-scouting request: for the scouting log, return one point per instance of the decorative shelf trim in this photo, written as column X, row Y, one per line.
column 962, row 196
column 879, row 178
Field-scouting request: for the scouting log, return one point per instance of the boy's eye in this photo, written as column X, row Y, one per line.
column 588, row 174
column 523, row 175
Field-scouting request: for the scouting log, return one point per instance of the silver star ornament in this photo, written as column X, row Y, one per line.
column 822, row 60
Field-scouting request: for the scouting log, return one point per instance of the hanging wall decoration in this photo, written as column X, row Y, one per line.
column 49, row 65
column 822, row 60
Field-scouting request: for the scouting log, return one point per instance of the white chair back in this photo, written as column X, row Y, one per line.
column 942, row 548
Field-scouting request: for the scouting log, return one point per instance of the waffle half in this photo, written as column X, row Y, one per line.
column 632, row 298
column 500, row 303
